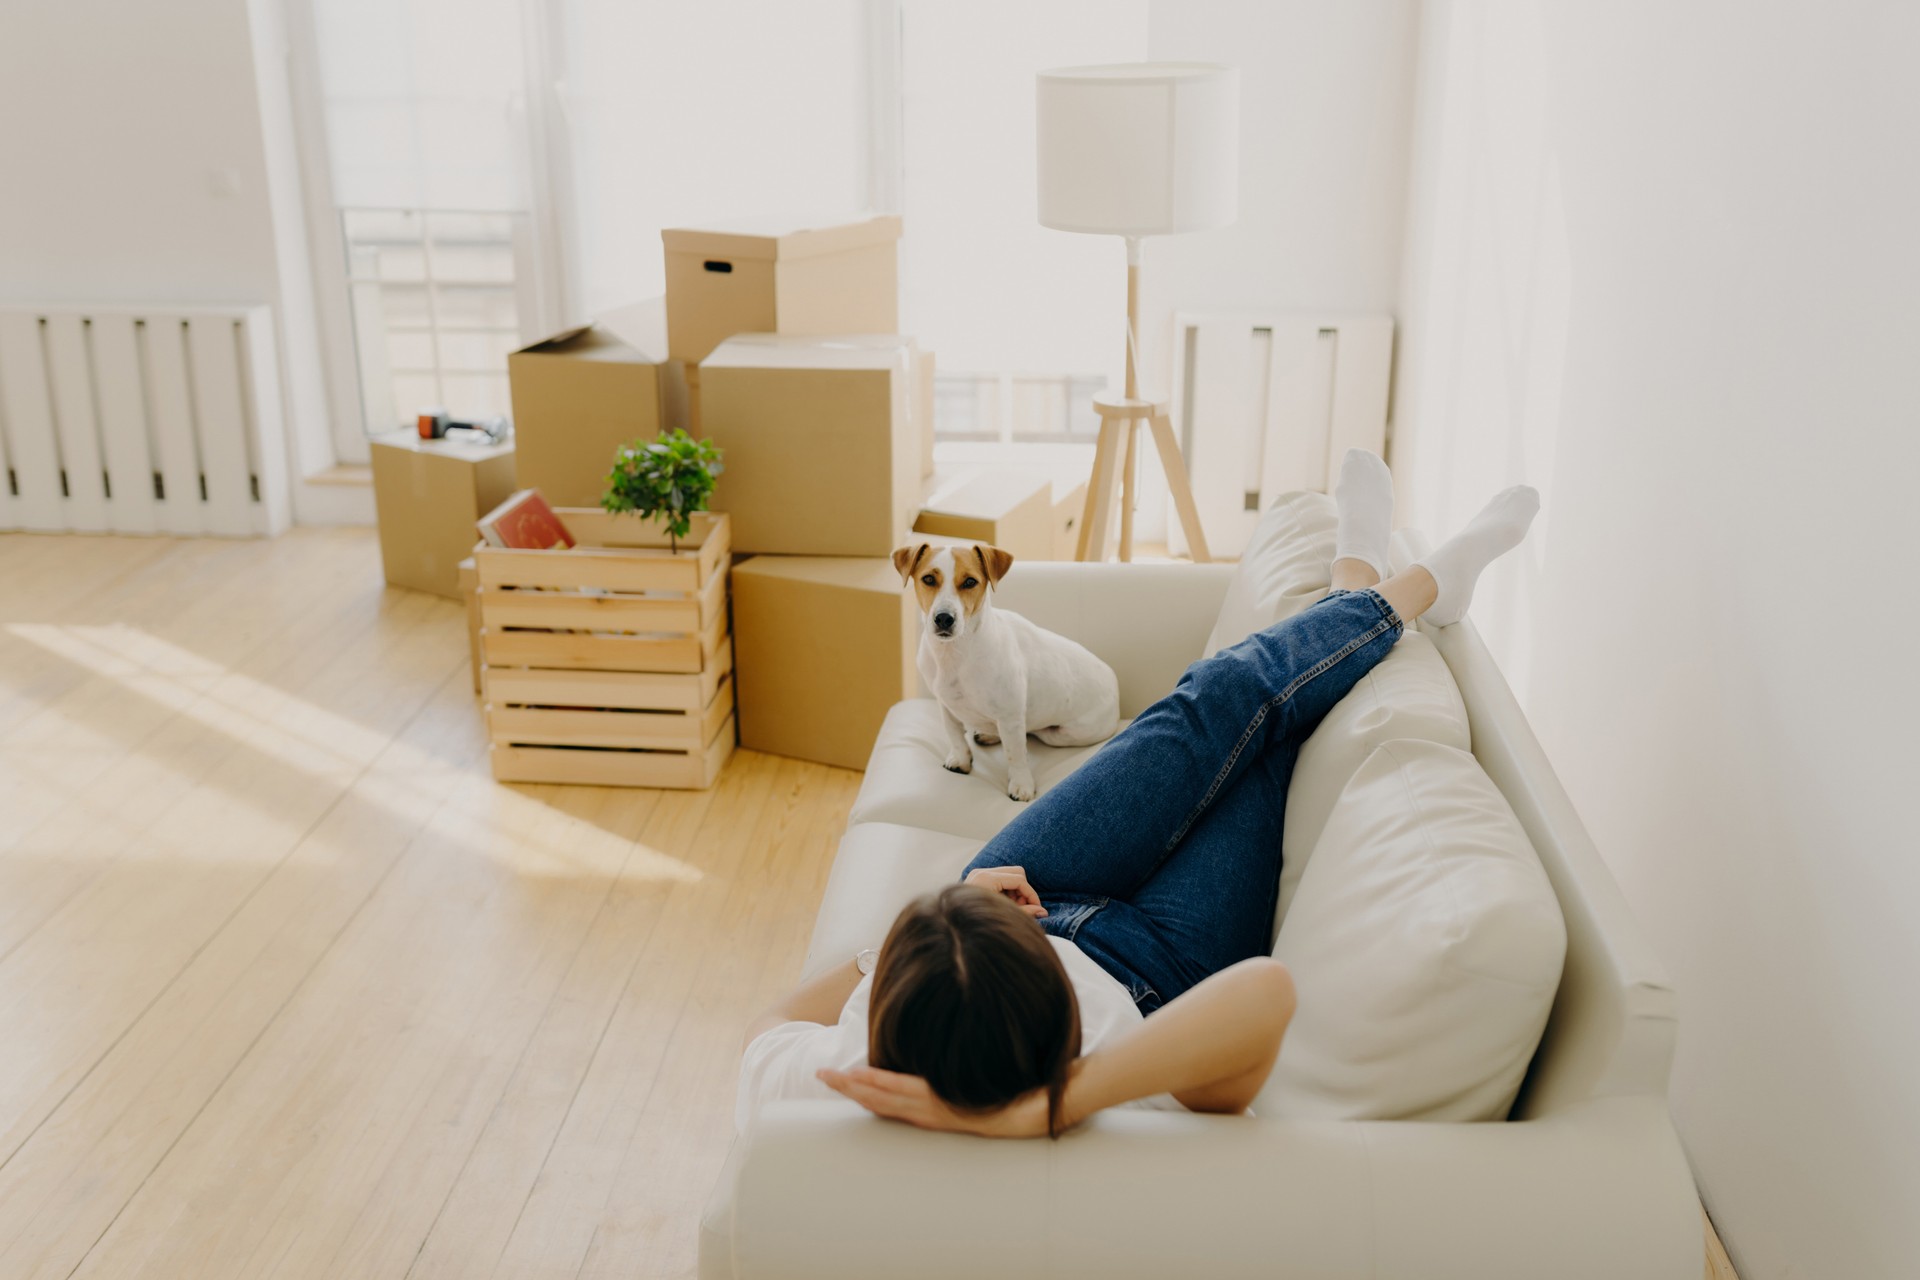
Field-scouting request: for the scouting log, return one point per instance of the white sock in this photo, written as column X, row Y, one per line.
column 1456, row 564
column 1365, row 498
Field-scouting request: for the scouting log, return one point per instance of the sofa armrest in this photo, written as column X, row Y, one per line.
column 1598, row 1191
column 1146, row 621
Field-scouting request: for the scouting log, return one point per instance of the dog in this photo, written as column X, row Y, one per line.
column 996, row 675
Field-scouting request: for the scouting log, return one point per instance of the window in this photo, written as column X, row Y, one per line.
column 1025, row 323
column 435, row 311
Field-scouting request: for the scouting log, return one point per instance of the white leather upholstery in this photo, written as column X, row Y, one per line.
column 1408, row 695
column 1597, row 1192
column 1283, row 570
column 879, row 869
column 906, row 782
column 1426, row 946
column 1587, row 1181
column 1146, row 621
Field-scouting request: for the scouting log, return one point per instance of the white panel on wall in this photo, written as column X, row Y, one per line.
column 1266, row 404
column 142, row 420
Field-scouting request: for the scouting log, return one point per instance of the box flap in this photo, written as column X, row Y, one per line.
column 636, row 332
column 773, row 238
column 641, row 325
column 889, row 351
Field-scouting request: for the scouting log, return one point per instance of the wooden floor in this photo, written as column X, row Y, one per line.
column 290, row 988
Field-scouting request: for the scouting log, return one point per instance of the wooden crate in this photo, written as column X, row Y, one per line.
column 609, row 664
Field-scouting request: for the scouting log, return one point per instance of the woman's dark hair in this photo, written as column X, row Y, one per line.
column 970, row 996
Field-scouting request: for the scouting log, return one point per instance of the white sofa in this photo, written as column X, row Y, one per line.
column 1586, row 1179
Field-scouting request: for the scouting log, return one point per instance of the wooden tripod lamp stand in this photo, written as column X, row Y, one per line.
column 1137, row 149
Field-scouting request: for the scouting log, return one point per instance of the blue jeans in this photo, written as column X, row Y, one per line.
column 1160, row 856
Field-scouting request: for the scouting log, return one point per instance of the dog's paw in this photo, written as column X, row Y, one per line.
column 957, row 764
column 985, row 740
column 1020, row 788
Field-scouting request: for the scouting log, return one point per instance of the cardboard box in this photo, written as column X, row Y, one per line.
column 822, row 648
column 780, row 277
column 1011, row 510
column 470, row 592
column 428, row 495
column 1066, row 521
column 822, row 454
column 582, row 394
column 923, row 411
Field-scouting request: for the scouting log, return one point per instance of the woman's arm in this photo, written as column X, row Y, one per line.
column 1212, row 1049
column 819, row 999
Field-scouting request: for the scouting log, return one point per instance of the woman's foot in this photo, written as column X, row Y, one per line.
column 1456, row 564
column 1365, row 499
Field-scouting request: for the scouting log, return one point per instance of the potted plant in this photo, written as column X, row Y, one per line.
column 668, row 478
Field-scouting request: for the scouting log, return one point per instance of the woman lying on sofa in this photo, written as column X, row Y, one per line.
column 1110, row 946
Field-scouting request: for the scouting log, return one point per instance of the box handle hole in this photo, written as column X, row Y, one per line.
column 722, row 268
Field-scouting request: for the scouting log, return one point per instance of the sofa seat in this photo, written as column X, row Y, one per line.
column 906, row 783
column 880, row 868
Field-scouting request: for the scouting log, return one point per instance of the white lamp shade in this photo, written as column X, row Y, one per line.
column 1139, row 148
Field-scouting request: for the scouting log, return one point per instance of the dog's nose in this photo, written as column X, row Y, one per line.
column 943, row 621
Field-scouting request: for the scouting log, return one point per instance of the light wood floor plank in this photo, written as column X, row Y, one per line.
column 290, row 987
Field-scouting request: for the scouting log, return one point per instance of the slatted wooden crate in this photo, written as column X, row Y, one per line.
column 611, row 663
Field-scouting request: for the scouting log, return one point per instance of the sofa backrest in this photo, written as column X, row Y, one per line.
column 1612, row 1029
column 1148, row 621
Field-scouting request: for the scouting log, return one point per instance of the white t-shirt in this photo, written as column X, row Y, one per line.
column 781, row 1061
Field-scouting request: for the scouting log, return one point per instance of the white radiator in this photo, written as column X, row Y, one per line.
column 1268, row 404
column 141, row 420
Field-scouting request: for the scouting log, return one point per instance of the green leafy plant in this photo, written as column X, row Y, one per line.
column 668, row 478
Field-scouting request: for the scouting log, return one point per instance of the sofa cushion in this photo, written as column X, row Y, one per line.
column 1410, row 694
column 907, row 784
column 879, row 868
column 1284, row 569
column 1426, row 944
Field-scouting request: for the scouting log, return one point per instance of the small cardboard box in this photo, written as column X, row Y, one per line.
column 1067, row 511
column 822, row 453
column 1011, row 510
column 580, row 395
column 428, row 494
column 780, row 277
column 822, row 648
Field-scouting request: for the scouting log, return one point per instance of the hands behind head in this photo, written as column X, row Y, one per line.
column 1010, row 882
column 909, row 1099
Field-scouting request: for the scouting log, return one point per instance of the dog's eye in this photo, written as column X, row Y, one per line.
column 969, row 584
column 930, row 580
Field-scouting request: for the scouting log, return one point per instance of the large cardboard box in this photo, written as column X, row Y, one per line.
column 923, row 411
column 428, row 494
column 822, row 648
column 822, row 450
column 580, row 395
column 773, row 276
column 1012, row 510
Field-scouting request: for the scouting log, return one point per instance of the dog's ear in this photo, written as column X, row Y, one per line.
column 908, row 556
column 994, row 563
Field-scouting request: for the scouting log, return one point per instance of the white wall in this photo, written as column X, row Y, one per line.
column 1663, row 263
column 134, row 167
column 1326, row 101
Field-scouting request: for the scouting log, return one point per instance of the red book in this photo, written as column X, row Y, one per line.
column 524, row 521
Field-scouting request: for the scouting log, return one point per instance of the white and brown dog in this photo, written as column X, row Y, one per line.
column 997, row 676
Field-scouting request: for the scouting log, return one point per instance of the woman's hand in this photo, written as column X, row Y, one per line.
column 1012, row 883
column 909, row 1099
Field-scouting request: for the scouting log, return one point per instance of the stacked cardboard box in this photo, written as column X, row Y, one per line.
column 776, row 340
column 427, row 494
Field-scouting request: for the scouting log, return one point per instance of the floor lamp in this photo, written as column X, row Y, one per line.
column 1133, row 150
